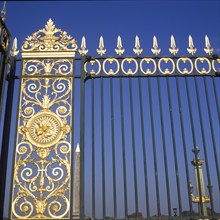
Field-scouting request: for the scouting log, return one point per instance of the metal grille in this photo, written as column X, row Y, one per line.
column 148, row 129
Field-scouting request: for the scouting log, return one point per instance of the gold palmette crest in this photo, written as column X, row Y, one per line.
column 49, row 40
column 42, row 167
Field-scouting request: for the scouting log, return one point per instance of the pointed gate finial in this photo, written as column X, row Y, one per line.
column 3, row 12
column 137, row 50
column 101, row 51
column 191, row 49
column 208, row 49
column 83, row 50
column 173, row 49
column 119, row 50
column 14, row 48
column 155, row 50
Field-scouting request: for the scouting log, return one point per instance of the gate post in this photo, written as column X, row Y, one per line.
column 4, row 48
column 6, row 134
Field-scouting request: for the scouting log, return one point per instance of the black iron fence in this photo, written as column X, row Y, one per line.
column 137, row 120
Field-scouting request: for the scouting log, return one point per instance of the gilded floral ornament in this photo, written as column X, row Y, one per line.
column 50, row 40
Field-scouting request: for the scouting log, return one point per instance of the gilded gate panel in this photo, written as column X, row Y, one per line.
column 42, row 166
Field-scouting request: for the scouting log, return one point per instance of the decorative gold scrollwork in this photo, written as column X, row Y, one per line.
column 47, row 67
column 148, row 70
column 204, row 70
column 185, row 70
column 166, row 60
column 41, row 179
column 129, row 61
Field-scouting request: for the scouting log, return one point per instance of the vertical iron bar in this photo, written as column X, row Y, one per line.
column 216, row 97
column 82, row 141
column 194, row 143
column 103, row 149
column 133, row 146
column 123, row 149
column 184, row 145
column 72, row 154
column 164, row 146
column 15, row 140
column 144, row 147
column 93, row 150
column 174, row 147
column 113, row 149
column 204, row 146
column 6, row 136
column 212, row 133
column 2, row 81
column 154, row 148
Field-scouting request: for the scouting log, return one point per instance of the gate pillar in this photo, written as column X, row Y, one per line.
column 43, row 155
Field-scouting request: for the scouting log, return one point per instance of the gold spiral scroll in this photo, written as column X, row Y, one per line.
column 42, row 167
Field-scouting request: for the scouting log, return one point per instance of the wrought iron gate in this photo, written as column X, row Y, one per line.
column 136, row 119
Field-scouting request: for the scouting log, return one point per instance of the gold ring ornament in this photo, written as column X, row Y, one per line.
column 203, row 70
column 129, row 61
column 44, row 129
column 93, row 71
column 185, row 70
column 148, row 70
column 111, row 71
column 213, row 64
column 166, row 60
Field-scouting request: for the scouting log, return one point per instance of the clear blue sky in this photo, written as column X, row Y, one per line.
column 127, row 19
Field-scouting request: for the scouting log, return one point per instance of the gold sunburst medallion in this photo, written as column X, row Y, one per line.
column 44, row 129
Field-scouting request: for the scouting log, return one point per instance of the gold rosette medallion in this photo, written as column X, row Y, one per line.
column 44, row 129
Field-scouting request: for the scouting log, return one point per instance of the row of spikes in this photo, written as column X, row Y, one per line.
column 138, row 50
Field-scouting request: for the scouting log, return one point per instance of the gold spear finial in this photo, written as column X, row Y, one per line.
column 101, row 51
column 3, row 12
column 119, row 50
column 137, row 50
column 155, row 50
column 83, row 50
column 173, row 49
column 208, row 49
column 191, row 49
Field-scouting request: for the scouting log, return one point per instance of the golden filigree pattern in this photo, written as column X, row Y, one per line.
column 41, row 179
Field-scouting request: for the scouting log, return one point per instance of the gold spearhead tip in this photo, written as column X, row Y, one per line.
column 173, row 50
column 191, row 49
column 155, row 50
column 101, row 51
column 119, row 50
column 137, row 50
column 83, row 50
column 208, row 49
